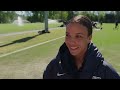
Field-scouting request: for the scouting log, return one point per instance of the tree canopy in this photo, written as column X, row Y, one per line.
column 38, row 16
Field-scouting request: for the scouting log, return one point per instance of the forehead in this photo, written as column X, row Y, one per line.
column 76, row 28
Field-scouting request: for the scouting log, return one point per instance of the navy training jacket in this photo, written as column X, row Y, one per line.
column 94, row 66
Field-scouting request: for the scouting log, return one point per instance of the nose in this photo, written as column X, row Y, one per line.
column 72, row 41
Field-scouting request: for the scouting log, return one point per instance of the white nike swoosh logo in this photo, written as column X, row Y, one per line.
column 95, row 77
column 60, row 74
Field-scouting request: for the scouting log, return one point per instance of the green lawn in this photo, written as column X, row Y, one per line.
column 30, row 63
column 9, row 28
column 12, row 43
column 108, row 42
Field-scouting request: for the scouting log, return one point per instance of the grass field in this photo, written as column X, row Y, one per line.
column 30, row 63
column 108, row 42
column 9, row 28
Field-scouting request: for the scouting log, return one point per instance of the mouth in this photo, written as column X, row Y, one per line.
column 73, row 48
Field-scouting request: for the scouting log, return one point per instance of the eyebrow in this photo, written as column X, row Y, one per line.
column 76, row 33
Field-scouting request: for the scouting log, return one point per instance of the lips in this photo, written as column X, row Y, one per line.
column 73, row 48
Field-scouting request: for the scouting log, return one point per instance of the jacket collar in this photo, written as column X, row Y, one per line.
column 92, row 60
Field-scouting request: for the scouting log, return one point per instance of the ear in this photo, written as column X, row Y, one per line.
column 89, row 38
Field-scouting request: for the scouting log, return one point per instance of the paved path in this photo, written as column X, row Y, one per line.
column 15, row 33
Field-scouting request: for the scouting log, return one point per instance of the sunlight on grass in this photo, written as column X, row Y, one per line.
column 31, row 63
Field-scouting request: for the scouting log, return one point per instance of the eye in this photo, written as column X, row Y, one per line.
column 67, row 35
column 79, row 36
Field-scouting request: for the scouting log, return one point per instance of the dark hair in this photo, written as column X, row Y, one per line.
column 83, row 20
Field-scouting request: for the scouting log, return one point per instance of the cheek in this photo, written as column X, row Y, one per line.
column 82, row 44
column 67, row 42
column 70, row 42
column 76, row 43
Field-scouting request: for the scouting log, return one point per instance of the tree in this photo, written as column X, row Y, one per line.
column 110, row 17
column 117, row 16
column 70, row 15
column 101, row 16
column 7, row 16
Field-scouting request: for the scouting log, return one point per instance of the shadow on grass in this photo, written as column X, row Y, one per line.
column 25, row 39
column 20, row 40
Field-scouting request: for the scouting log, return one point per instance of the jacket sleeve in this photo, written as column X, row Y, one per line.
column 110, row 72
column 49, row 71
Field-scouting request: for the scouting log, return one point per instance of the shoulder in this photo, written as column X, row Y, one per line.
column 51, row 69
column 109, row 71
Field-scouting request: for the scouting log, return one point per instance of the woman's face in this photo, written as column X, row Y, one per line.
column 77, row 39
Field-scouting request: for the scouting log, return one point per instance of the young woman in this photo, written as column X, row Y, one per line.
column 78, row 57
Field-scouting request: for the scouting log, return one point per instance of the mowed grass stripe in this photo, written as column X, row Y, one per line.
column 30, row 47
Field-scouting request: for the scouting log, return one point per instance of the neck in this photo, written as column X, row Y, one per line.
column 79, row 60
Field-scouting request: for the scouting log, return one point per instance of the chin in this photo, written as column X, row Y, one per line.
column 73, row 53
